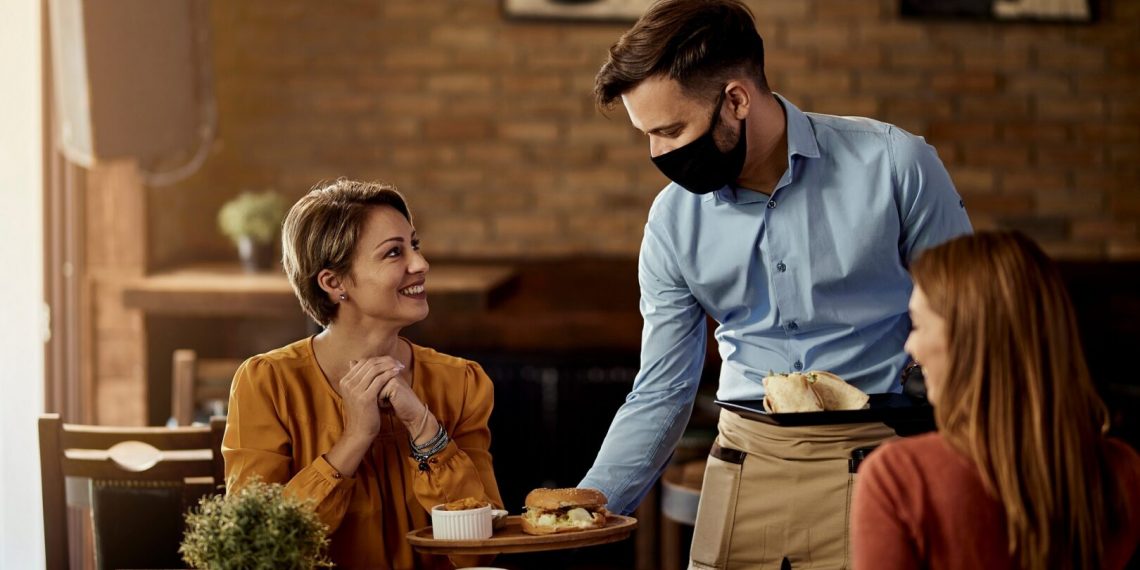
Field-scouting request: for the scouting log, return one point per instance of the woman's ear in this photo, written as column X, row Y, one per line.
column 331, row 284
column 739, row 99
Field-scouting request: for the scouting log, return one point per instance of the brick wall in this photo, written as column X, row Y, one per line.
column 488, row 125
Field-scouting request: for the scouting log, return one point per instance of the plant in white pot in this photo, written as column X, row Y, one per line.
column 253, row 222
column 258, row 527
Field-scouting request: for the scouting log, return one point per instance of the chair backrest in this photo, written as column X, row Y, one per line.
column 196, row 381
column 121, row 461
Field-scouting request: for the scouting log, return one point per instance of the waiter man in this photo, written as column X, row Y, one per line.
column 793, row 231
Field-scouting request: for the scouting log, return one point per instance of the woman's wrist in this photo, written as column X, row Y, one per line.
column 426, row 430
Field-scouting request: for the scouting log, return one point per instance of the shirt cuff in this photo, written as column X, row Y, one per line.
column 330, row 474
column 437, row 461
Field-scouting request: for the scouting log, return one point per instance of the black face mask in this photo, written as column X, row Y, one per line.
column 700, row 167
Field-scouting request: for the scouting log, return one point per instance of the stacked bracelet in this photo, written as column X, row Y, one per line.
column 422, row 453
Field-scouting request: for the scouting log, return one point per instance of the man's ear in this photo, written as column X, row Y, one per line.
column 331, row 284
column 739, row 98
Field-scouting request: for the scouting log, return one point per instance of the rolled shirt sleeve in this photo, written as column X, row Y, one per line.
column 648, row 425
column 930, row 209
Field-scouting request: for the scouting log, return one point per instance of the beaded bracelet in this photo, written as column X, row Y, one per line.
column 422, row 453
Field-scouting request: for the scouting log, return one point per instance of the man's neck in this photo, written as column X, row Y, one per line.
column 767, row 146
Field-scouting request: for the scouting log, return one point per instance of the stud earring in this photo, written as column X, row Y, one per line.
column 343, row 297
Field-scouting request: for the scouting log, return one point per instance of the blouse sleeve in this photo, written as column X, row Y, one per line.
column 463, row 468
column 881, row 538
column 258, row 445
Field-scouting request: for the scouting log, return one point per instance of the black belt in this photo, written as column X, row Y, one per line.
column 728, row 455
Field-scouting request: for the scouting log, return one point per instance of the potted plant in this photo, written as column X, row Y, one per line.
column 253, row 221
column 256, row 528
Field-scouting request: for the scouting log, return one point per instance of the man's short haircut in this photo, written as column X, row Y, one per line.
column 700, row 44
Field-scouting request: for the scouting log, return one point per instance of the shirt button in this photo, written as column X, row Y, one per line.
column 781, row 267
column 771, row 204
column 798, row 365
column 793, row 326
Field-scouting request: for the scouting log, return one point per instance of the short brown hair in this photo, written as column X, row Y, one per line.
column 321, row 232
column 698, row 43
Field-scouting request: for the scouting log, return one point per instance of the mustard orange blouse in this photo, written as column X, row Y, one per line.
column 284, row 416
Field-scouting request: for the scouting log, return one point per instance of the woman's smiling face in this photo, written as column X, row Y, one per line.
column 928, row 344
column 387, row 279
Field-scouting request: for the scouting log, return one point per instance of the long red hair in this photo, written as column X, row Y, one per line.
column 1018, row 398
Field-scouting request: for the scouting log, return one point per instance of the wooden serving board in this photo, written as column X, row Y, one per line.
column 510, row 538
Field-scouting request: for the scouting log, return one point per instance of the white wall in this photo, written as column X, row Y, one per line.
column 21, row 288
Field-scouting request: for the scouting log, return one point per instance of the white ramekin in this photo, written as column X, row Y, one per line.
column 471, row 524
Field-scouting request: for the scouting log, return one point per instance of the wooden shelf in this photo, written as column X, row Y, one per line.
column 223, row 289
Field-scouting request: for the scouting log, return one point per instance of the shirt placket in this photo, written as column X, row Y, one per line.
column 779, row 255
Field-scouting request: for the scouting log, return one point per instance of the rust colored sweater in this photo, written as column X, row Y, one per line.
column 920, row 504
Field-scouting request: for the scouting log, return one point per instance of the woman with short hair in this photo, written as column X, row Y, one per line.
column 373, row 429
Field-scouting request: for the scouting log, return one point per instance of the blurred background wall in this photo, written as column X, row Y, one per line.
column 488, row 123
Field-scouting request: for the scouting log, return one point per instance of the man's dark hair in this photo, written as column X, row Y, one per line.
column 698, row 43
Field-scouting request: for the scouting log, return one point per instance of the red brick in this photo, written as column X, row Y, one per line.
column 1104, row 230
column 484, row 152
column 786, row 60
column 830, row 34
column 965, row 82
column 464, row 83
column 1069, row 156
column 1124, row 155
column 1126, row 84
column 1069, row 58
column 532, row 84
column 846, row 10
column 973, row 180
column 869, row 57
column 416, row 58
column 598, row 132
column 816, row 82
column 962, row 130
column 854, row 105
column 530, row 131
column 492, row 58
column 598, row 180
column 889, row 83
column 1068, row 203
column 1040, row 83
column 459, row 36
column 1073, row 108
column 922, row 59
column 560, row 59
column 1125, row 203
column 927, row 108
column 1124, row 108
column 999, row 58
column 526, row 226
column 765, row 11
column 1002, row 107
column 1062, row 250
column 999, row 156
column 1034, row 132
column 449, row 129
column 988, row 203
column 408, row 105
column 891, row 35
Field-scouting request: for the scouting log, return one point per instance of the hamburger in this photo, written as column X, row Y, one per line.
column 550, row 511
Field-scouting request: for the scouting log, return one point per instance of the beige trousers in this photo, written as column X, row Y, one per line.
column 773, row 492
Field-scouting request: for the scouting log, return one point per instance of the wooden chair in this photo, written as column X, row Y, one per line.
column 198, row 381
column 141, row 482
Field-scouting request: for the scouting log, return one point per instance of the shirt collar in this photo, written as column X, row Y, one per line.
column 801, row 141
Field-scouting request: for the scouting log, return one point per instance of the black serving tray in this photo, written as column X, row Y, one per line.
column 907, row 415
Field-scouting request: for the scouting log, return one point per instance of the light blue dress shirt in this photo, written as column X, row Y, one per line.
column 812, row 278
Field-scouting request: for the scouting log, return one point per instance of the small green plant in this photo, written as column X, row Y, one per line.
column 254, row 215
column 256, row 528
